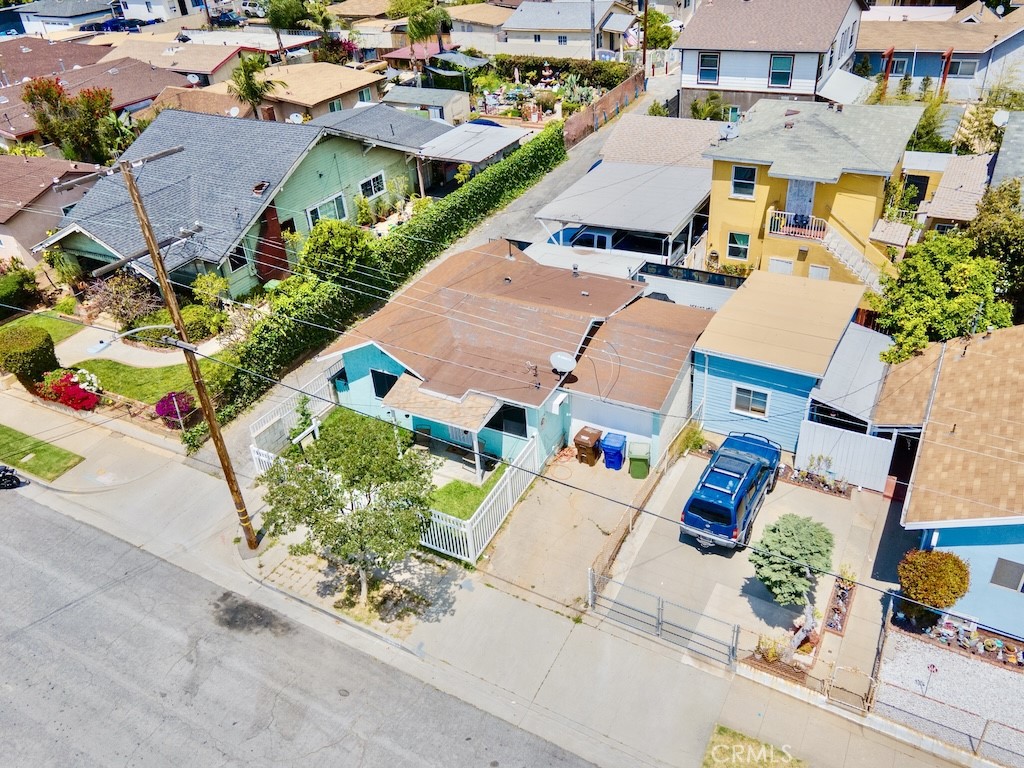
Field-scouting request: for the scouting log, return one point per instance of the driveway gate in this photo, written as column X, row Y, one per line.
column 692, row 630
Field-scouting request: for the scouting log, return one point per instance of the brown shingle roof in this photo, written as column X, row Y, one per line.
column 179, row 57
column 23, row 179
column 32, row 57
column 636, row 355
column 359, row 9
column 130, row 82
column 199, row 100
column 310, row 84
column 906, row 389
column 765, row 25
column 970, row 463
column 935, row 36
column 651, row 140
column 961, row 188
column 481, row 321
column 480, row 13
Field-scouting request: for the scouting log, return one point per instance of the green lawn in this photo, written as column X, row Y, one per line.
column 49, row 322
column 461, row 499
column 48, row 462
column 144, row 384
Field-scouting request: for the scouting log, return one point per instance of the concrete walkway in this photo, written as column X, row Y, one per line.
column 75, row 349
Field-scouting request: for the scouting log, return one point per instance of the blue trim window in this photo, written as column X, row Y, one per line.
column 750, row 402
column 707, row 68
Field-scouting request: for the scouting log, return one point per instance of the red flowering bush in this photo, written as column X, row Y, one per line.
column 174, row 408
column 68, row 388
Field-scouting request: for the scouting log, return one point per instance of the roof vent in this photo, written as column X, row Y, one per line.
column 584, row 293
column 508, row 280
column 791, row 112
column 839, row 107
column 260, row 188
column 788, row 125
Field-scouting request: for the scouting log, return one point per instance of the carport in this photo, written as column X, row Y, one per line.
column 664, row 207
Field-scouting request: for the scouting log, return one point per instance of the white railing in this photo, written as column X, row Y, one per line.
column 847, row 254
column 786, row 224
column 467, row 539
column 321, row 399
column 263, row 460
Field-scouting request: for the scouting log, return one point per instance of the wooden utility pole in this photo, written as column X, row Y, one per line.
column 193, row 365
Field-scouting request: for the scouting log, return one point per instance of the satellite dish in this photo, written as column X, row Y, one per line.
column 295, row 117
column 25, row 79
column 1001, row 118
column 563, row 362
column 233, row 112
column 728, row 131
column 77, row 66
column 1000, row 10
column 194, row 79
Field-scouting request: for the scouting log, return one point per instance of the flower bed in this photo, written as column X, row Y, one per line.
column 838, row 609
column 78, row 390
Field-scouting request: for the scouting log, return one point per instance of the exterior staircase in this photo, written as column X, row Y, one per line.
column 847, row 254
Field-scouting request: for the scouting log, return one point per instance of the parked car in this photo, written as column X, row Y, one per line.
column 370, row 65
column 730, row 492
column 228, row 19
column 253, row 8
column 604, row 239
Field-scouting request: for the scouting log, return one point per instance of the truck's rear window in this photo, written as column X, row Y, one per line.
column 711, row 513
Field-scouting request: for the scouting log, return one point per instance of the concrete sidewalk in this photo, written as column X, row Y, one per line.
column 75, row 349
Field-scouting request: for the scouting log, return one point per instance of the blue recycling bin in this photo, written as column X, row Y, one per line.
column 614, row 446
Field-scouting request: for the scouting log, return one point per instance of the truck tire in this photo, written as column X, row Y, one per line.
column 774, row 481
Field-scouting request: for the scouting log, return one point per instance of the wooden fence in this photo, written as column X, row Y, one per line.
column 590, row 119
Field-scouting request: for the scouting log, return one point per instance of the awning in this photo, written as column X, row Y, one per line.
column 461, row 60
column 854, row 376
column 846, row 88
column 471, row 413
column 618, row 22
column 472, row 143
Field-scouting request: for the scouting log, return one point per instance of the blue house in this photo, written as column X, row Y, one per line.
column 765, row 352
column 975, row 50
column 463, row 354
column 964, row 494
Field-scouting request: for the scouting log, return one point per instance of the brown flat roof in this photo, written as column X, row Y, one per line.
column 487, row 321
column 970, row 463
column 636, row 356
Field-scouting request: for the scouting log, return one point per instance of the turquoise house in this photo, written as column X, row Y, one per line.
column 964, row 491
column 246, row 183
column 463, row 356
column 766, row 351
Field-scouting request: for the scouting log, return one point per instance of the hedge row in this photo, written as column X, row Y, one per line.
column 605, row 74
column 17, row 288
column 27, row 352
column 411, row 245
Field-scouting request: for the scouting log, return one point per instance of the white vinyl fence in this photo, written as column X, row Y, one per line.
column 270, row 433
column 467, row 539
column 857, row 458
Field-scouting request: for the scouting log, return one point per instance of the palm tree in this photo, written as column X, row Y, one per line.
column 425, row 24
column 284, row 14
column 248, row 86
column 710, row 108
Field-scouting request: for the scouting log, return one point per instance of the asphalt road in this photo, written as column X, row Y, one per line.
column 110, row 656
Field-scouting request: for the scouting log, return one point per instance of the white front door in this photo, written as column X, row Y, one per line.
column 780, row 266
column 800, row 197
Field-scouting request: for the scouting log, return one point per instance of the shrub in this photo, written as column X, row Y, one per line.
column 546, row 100
column 657, row 109
column 933, row 577
column 202, row 322
column 78, row 390
column 66, row 306
column 174, row 408
column 27, row 352
column 125, row 296
column 603, row 74
column 208, row 289
column 17, row 289
column 786, row 545
column 412, row 244
column 570, row 108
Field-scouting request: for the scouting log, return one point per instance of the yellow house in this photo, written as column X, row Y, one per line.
column 798, row 187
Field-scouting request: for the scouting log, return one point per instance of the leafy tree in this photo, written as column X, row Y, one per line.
column 941, row 291
column 709, row 108
column 359, row 493
column 23, row 149
column 27, row 352
column 209, row 288
column 335, row 248
column 319, row 19
column 400, row 9
column 932, row 577
column 998, row 231
column 124, row 296
column 425, row 24
column 249, row 84
column 927, row 136
column 862, row 67
column 782, row 557
column 977, row 133
column 284, row 14
column 80, row 125
column 657, row 109
column 659, row 33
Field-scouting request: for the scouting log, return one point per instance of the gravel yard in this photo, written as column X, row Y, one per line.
column 962, row 694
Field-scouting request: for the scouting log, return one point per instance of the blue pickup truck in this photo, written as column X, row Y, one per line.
column 721, row 509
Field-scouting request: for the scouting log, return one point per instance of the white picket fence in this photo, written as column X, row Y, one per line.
column 467, row 539
column 270, row 431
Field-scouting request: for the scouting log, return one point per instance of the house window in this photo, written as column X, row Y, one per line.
column 853, row 35
column 751, row 402
column 739, row 246
column 536, row 38
column 373, row 186
column 831, row 55
column 365, row 95
column 944, row 229
column 743, row 178
column 237, row 259
column 818, row 272
column 510, row 419
column 332, row 208
column 335, row 106
column 382, row 382
column 1008, row 574
column 963, row 67
column 563, row 39
column 66, row 209
column 899, row 67
column 732, row 113
column 780, row 73
column 707, row 68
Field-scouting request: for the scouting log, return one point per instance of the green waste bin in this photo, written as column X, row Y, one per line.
column 639, row 460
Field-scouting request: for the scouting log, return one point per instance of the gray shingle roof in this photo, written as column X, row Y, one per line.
column 961, row 188
column 65, row 8
column 570, row 16
column 1010, row 160
column 384, row 125
column 211, row 181
column 793, row 26
column 807, row 140
column 435, row 97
